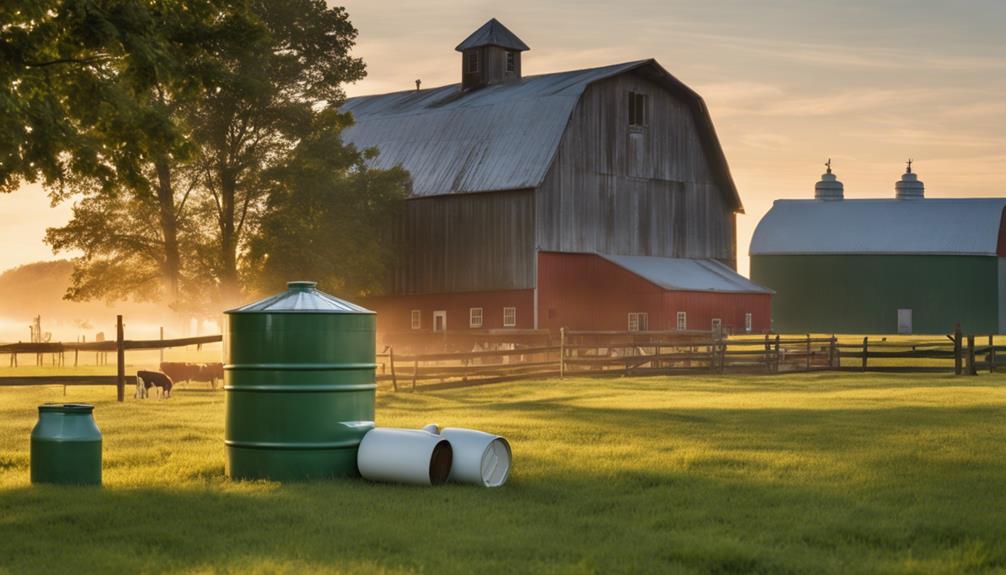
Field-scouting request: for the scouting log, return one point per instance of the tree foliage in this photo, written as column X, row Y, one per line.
column 180, row 129
column 329, row 218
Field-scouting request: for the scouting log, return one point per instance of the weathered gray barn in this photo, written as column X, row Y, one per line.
column 619, row 160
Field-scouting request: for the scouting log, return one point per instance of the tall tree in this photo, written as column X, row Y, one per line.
column 131, row 221
column 268, row 100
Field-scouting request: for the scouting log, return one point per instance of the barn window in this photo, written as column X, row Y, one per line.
column 417, row 319
column 748, row 322
column 511, row 62
column 638, row 321
column 682, row 321
column 717, row 326
column 637, row 109
column 475, row 317
column 473, row 62
column 509, row 317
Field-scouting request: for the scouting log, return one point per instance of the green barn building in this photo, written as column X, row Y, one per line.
column 883, row 266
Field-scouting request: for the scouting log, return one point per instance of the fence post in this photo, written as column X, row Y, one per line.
column 391, row 360
column 958, row 352
column 415, row 373
column 162, row 349
column 778, row 351
column 562, row 352
column 120, row 353
column 866, row 351
column 972, row 367
column 992, row 354
column 808, row 352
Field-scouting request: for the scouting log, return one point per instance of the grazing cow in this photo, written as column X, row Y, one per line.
column 180, row 371
column 208, row 372
column 211, row 372
column 147, row 379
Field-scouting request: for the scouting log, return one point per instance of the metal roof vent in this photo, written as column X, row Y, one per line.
column 829, row 188
column 909, row 187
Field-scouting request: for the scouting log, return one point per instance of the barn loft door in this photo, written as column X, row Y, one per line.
column 905, row 321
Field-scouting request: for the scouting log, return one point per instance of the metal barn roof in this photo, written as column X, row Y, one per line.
column 500, row 137
column 492, row 33
column 880, row 226
column 680, row 274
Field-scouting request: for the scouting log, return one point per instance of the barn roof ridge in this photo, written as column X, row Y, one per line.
column 471, row 142
column 523, row 80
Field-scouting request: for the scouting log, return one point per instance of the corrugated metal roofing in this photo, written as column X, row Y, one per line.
column 500, row 137
column 681, row 274
column 880, row 226
column 301, row 297
column 492, row 33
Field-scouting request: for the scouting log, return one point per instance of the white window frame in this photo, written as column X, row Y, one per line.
column 682, row 321
column 476, row 318
column 716, row 326
column 639, row 321
column 442, row 314
column 510, row 317
column 748, row 322
column 416, row 319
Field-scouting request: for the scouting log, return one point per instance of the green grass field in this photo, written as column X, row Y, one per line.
column 813, row 473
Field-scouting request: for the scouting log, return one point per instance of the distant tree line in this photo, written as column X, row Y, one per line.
column 199, row 144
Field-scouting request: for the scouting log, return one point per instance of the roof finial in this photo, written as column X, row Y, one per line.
column 418, row 84
column 828, row 163
column 909, row 166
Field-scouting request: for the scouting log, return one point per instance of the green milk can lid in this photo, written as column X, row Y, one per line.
column 65, row 408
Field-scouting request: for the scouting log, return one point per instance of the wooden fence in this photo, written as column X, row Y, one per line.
column 612, row 353
column 595, row 353
column 119, row 345
column 652, row 353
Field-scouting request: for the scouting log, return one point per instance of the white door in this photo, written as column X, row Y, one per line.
column 905, row 321
column 440, row 320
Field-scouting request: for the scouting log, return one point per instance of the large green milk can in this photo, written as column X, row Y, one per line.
column 299, row 380
column 66, row 445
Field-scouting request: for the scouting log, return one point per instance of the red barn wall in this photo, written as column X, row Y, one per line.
column 730, row 308
column 394, row 313
column 585, row 291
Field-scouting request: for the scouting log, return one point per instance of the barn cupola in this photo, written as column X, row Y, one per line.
column 909, row 187
column 491, row 55
column 829, row 188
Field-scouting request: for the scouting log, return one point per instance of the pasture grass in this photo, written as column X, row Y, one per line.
column 811, row 473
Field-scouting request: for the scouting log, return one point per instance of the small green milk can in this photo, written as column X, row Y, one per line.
column 66, row 445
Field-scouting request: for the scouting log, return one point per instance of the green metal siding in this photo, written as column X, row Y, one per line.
column 863, row 293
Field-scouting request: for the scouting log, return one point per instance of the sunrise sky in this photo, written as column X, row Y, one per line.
column 789, row 83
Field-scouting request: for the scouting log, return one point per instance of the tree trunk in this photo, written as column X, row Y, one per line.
column 230, row 291
column 171, row 265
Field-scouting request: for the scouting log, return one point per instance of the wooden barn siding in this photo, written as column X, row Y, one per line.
column 665, row 203
column 466, row 242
